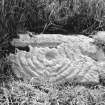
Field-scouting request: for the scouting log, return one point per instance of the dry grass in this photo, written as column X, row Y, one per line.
column 21, row 93
column 40, row 15
column 47, row 16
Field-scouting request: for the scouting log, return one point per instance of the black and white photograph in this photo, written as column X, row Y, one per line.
column 52, row 52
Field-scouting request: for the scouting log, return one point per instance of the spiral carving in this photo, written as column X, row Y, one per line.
column 57, row 58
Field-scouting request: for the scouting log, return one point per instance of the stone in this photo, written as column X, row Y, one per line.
column 100, row 37
column 57, row 58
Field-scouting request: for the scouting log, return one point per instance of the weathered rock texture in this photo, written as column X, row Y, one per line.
column 57, row 58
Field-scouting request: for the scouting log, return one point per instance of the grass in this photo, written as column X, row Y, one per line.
column 21, row 93
column 47, row 16
column 40, row 16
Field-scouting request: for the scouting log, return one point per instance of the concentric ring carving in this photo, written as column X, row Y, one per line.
column 57, row 58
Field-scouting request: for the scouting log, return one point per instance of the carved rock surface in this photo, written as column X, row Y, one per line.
column 57, row 58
